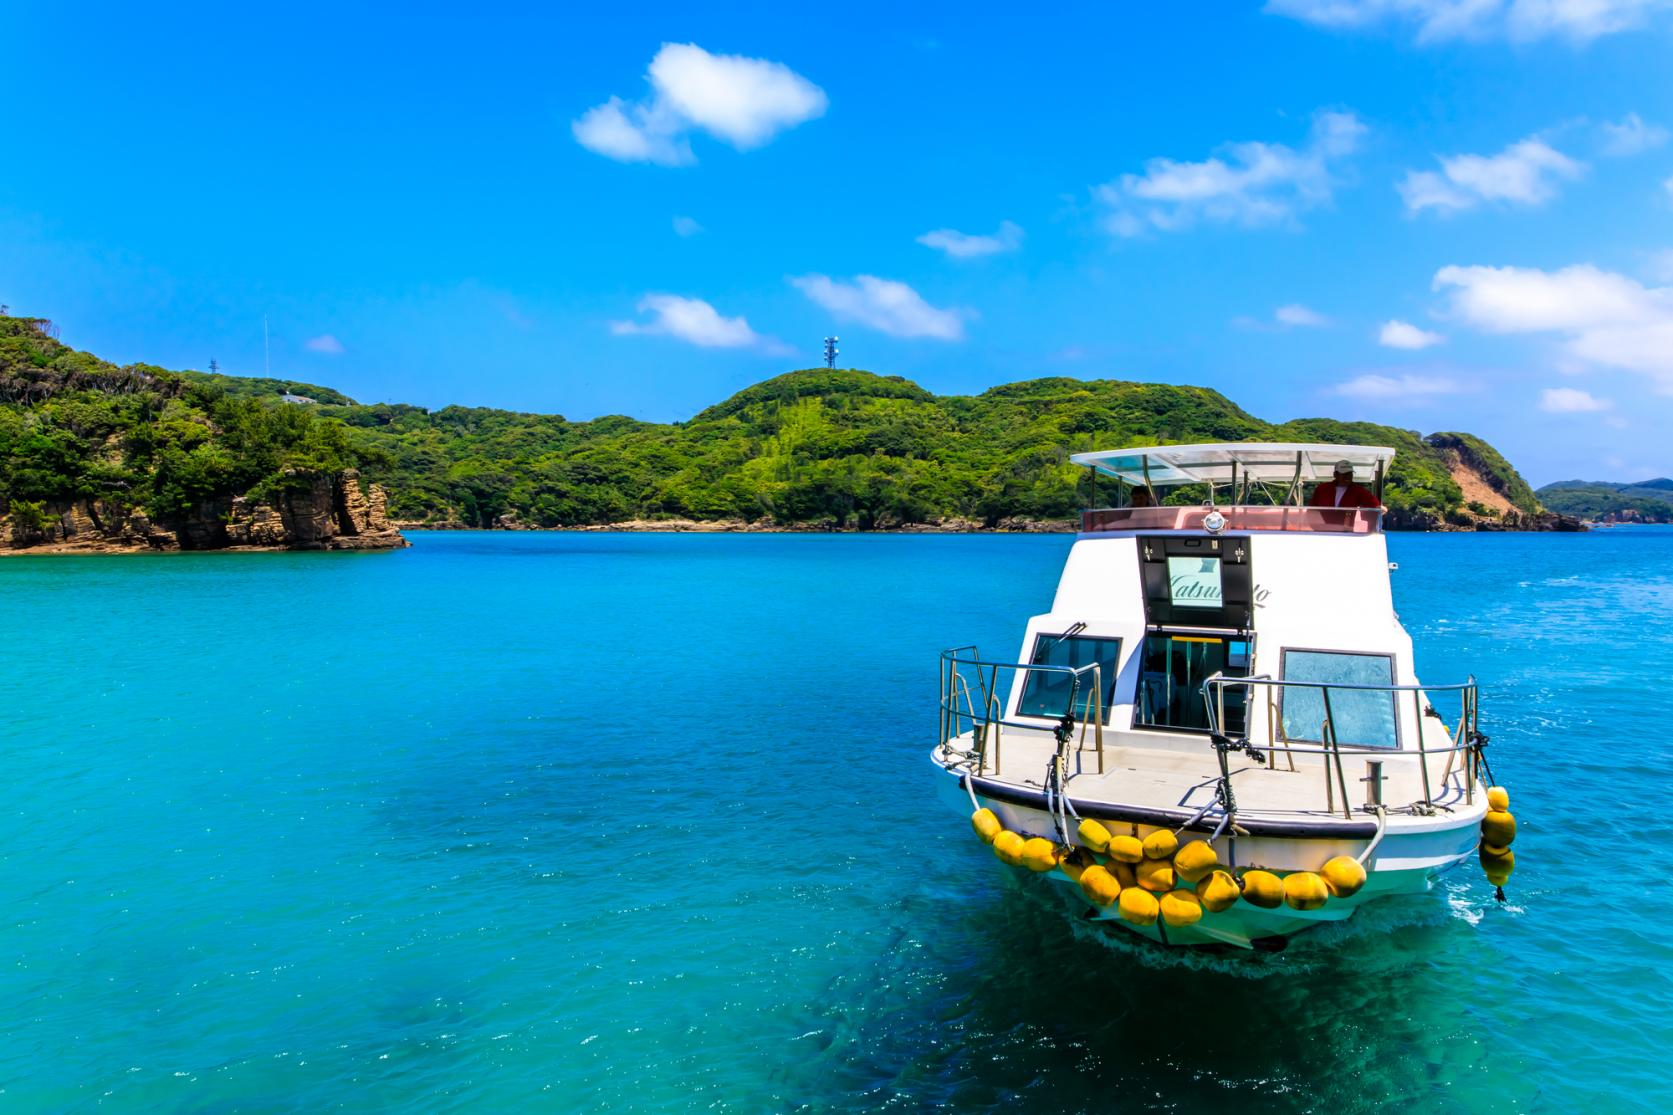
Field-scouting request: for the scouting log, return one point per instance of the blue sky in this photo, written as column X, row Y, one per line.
column 1443, row 214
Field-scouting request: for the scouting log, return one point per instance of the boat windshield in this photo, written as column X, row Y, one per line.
column 1361, row 717
column 1048, row 693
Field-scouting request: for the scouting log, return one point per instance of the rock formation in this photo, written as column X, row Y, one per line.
column 312, row 511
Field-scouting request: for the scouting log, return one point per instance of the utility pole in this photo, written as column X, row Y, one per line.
column 831, row 351
column 213, row 367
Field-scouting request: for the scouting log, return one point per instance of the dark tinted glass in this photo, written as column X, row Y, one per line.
column 1170, row 681
column 1048, row 693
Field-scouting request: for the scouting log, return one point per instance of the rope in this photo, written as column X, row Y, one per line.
column 1479, row 744
column 1200, row 814
column 1382, row 827
column 1057, row 800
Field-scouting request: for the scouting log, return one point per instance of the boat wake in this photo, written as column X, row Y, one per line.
column 1318, row 948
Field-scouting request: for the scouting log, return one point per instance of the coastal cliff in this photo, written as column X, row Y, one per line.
column 312, row 511
column 99, row 458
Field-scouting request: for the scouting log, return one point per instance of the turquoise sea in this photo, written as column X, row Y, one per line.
column 645, row 822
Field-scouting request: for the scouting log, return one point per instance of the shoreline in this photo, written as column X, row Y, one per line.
column 950, row 526
column 642, row 526
column 739, row 526
column 118, row 549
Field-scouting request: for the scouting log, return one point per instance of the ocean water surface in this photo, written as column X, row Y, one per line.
column 646, row 822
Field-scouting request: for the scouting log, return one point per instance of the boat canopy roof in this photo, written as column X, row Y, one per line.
column 1163, row 466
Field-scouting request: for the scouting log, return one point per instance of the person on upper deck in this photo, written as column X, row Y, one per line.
column 1342, row 491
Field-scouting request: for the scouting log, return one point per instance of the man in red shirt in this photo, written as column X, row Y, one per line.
column 1342, row 491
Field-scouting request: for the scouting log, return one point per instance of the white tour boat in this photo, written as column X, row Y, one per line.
column 1215, row 734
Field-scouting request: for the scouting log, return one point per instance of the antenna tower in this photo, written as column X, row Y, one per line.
column 831, row 351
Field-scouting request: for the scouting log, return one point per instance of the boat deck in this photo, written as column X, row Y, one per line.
column 1175, row 777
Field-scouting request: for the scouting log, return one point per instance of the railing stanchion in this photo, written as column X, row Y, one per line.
column 1329, row 787
column 946, row 699
column 1098, row 725
column 1469, row 721
column 1336, row 753
column 1422, row 755
column 994, row 713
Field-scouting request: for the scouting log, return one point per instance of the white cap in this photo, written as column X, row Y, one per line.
column 1344, row 466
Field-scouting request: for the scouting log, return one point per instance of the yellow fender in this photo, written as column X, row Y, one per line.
column 1304, row 890
column 986, row 823
column 1139, row 906
column 1498, row 865
column 1180, row 907
column 1125, row 873
column 1160, row 844
column 1099, row 886
column 1008, row 847
column 1343, row 875
column 1094, row 836
column 1039, row 854
column 1156, row 875
column 1126, row 849
column 1218, row 892
column 1498, row 828
column 1195, row 860
column 1263, row 889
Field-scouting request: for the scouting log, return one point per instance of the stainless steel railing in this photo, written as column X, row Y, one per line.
column 1463, row 740
column 972, row 702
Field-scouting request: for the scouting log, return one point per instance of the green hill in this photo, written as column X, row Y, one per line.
column 76, row 428
column 1649, row 501
column 842, row 447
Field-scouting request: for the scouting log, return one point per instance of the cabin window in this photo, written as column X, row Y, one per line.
column 1047, row 693
column 1170, row 681
column 1360, row 717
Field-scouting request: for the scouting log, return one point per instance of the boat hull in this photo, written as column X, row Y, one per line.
column 1406, row 861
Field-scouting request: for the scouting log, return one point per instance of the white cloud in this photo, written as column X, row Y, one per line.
column 1667, row 184
column 1249, row 183
column 964, row 245
column 1438, row 20
column 1660, row 265
column 686, row 226
column 1571, row 400
column 325, row 343
column 884, row 304
column 1524, row 173
column 1295, row 314
column 633, row 134
column 744, row 101
column 1403, row 334
column 1374, row 386
column 1632, row 136
column 694, row 321
column 1603, row 318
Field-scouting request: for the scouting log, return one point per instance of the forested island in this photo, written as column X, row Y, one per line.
column 143, row 457
column 1608, row 501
